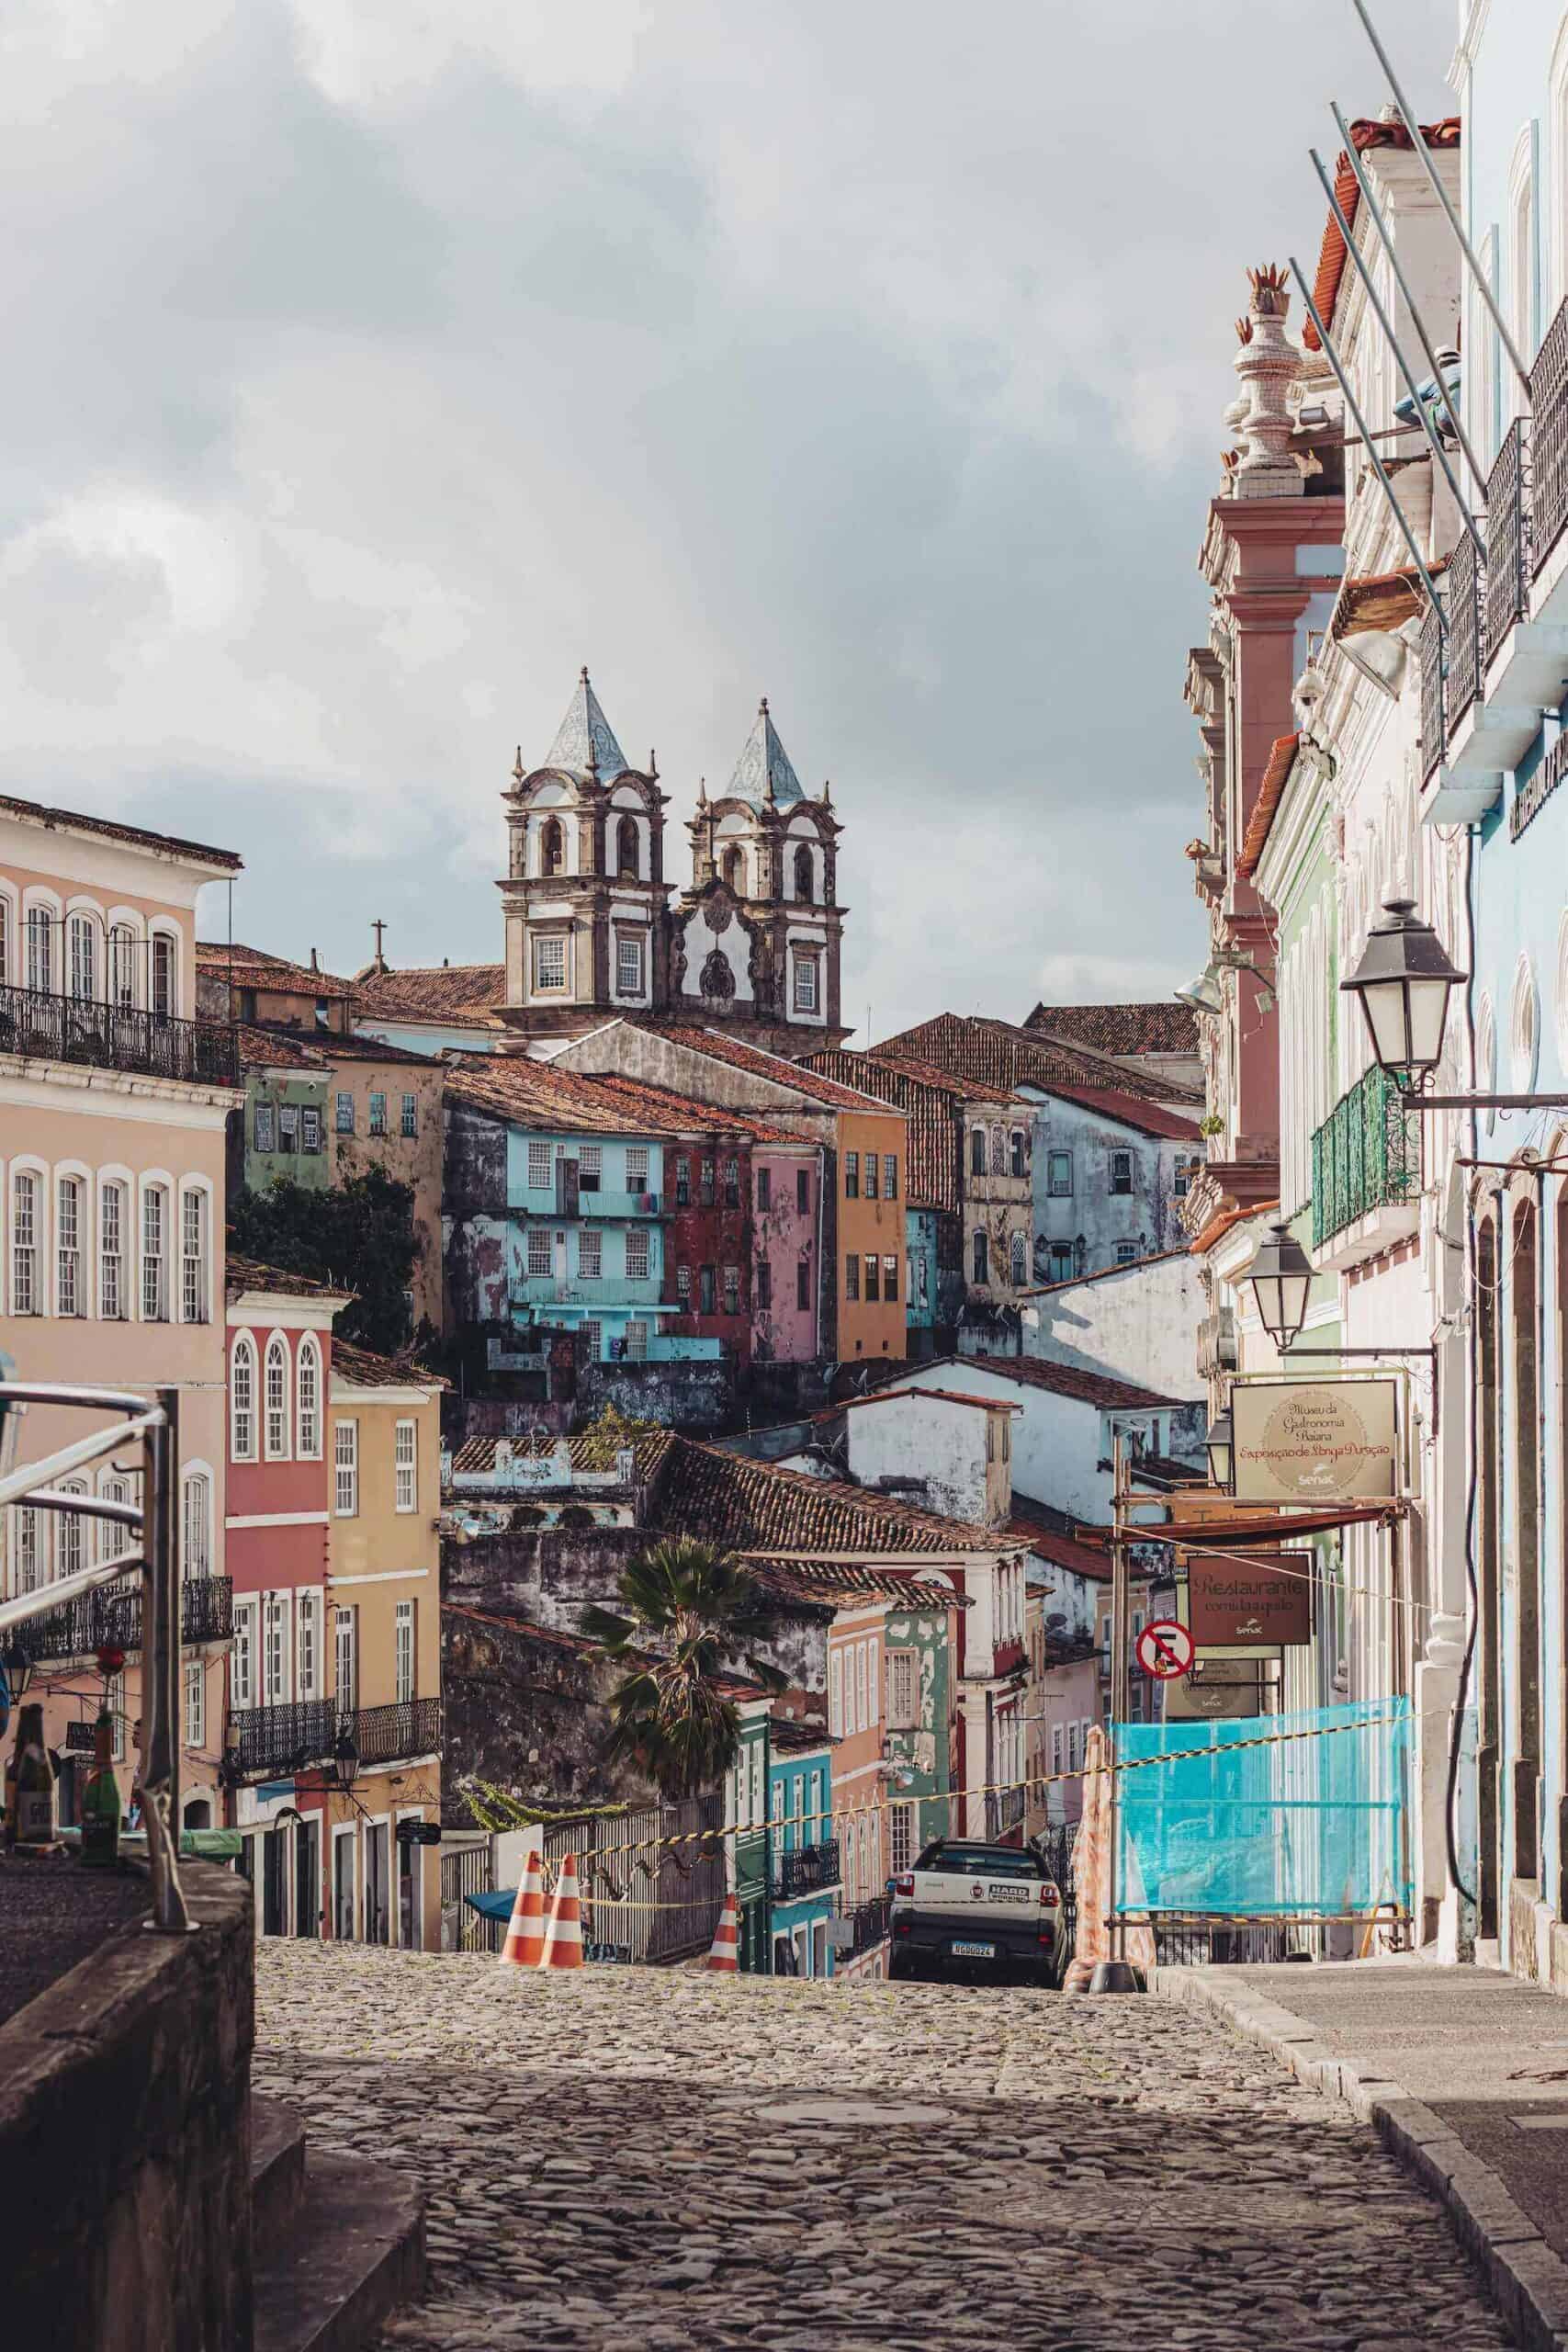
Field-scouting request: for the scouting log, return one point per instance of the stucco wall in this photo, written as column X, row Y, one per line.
column 1137, row 1324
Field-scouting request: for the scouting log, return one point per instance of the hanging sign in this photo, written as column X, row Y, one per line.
column 1314, row 1441
column 1238, row 1603
column 1216, row 1689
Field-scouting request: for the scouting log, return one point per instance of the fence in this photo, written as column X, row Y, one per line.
column 467, row 1871
column 648, row 1903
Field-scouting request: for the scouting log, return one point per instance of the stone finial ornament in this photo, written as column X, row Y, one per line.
column 1269, row 364
column 518, row 769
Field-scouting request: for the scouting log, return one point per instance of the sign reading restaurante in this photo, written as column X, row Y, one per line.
column 1236, row 1603
column 1314, row 1441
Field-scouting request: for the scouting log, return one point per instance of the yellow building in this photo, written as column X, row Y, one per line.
column 384, row 1647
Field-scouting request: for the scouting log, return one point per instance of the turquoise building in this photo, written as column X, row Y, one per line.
column 805, row 1849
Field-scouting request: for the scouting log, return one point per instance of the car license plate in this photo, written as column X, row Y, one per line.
column 973, row 1951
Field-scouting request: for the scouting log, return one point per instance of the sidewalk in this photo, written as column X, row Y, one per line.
column 1464, row 2073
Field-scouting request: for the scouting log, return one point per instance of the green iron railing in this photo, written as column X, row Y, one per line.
column 1366, row 1155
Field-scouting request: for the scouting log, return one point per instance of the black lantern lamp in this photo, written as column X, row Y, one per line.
column 345, row 1759
column 1220, row 1445
column 1280, row 1276
column 1403, row 981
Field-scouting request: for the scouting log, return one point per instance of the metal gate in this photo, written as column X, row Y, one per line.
column 1056, row 1845
column 467, row 1871
column 646, row 1899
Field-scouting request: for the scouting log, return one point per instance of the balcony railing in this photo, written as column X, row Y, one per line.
column 1508, row 537
column 869, row 1921
column 385, row 1734
column 806, row 1869
column 280, row 1740
column 1366, row 1155
column 111, row 1619
column 1466, row 600
column 1431, row 651
column 1549, row 441
column 1004, row 1811
column 114, row 1036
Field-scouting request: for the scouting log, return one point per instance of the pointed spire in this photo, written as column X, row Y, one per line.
column 585, row 745
column 763, row 776
column 517, row 768
column 652, row 764
column 701, row 792
column 827, row 793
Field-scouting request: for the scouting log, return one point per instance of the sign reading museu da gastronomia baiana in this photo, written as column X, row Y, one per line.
column 1316, row 1440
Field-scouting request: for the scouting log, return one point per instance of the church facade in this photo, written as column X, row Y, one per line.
column 595, row 930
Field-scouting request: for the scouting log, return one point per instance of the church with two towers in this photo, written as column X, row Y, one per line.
column 595, row 930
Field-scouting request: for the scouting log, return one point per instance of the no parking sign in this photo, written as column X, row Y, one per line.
column 1165, row 1649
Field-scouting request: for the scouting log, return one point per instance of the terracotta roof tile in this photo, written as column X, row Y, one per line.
column 256, row 965
column 648, row 1449
column 754, row 1506
column 1133, row 1029
column 931, row 1100
column 241, row 1275
column 1009, row 1056
column 1382, row 600
column 1068, row 1380
column 359, row 1368
column 71, row 820
column 947, row 1396
column 513, row 1086
column 1270, row 792
column 435, row 992
column 1332, row 255
column 1149, row 1118
column 263, row 1047
column 833, row 1584
column 773, row 1066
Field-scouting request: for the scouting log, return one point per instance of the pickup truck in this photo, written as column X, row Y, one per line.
column 969, row 1904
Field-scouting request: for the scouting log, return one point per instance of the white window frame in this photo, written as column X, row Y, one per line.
column 345, row 1468
column 157, row 1194
column 243, row 1655
column 628, row 966
column 377, row 1114
column 245, row 1390
column 836, row 1694
column 405, row 1466
column 277, row 1649
column 195, row 1264
column 541, row 1166
column 903, row 1707
column 590, row 1253
column 163, row 971
column 637, row 1341
column 345, row 1647
column 408, row 1118
column 308, row 1388
column 404, row 1661
column 639, row 1255
column 73, row 1258
column 637, row 1168
column 538, row 1261
column 116, row 1192
column 196, row 1703
column 27, row 1260
column 41, row 920
column 196, row 1520
column 550, row 964
column 308, row 1643
column 278, row 1418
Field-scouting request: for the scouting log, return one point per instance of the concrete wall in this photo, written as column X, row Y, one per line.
column 125, row 2140
column 1149, row 1217
column 1138, row 1323
column 944, row 1447
column 1058, row 1442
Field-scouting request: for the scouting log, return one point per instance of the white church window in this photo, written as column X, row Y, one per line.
column 804, row 983
column 550, row 962
column 629, row 967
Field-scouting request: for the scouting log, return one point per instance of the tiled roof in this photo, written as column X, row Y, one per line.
column 1068, row 1380
column 254, row 967
column 71, row 820
column 1270, row 792
column 1149, row 1118
column 1163, row 1470
column 754, row 1506
column 1106, row 1273
column 1055, row 1543
column 467, row 993
column 264, row 1047
column 773, row 1066
column 1121, row 1028
column 271, row 1044
column 947, row 1396
column 787, row 1735
column 840, row 1584
column 1332, row 255
column 513, row 1086
column 359, row 1368
column 241, row 1275
column 931, row 1100
column 1381, row 600
column 585, row 732
column 648, row 1448
column 334, row 1048
column 763, row 760
column 1012, row 1056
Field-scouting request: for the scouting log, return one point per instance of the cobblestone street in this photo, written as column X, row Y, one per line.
column 665, row 2159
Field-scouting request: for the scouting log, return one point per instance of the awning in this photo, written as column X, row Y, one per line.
column 1269, row 1527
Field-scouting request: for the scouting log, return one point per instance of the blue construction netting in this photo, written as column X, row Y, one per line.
column 1260, row 1826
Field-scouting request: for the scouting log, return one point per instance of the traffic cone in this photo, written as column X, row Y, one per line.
column 725, row 1956
column 563, row 1937
column 525, row 1931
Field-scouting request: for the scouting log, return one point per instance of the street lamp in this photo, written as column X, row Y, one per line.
column 345, row 1759
column 1203, row 993
column 1402, row 980
column 1221, row 1442
column 1280, row 1275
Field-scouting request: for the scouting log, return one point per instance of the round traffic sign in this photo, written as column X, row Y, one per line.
column 1165, row 1649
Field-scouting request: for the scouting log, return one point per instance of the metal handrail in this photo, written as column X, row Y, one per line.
column 157, row 1425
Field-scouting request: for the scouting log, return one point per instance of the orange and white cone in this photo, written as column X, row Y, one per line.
column 725, row 1956
column 563, row 1937
column 525, row 1931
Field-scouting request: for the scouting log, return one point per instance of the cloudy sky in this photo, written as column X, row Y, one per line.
column 372, row 364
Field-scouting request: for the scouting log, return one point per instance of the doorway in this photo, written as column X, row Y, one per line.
column 377, row 1886
column 343, row 1885
column 274, row 1921
column 409, row 1906
column 308, row 1878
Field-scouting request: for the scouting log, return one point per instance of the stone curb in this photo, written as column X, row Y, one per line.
column 1527, row 2280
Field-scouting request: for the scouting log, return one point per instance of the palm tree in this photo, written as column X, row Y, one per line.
column 691, row 1613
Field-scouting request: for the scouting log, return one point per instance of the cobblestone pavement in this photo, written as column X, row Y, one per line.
column 664, row 2159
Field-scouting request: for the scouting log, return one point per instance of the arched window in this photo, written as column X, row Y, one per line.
column 552, row 847
column 980, row 1259
column 155, row 1254
column 242, row 1400
column 998, row 1152
column 803, row 875
column 275, row 1399
column 310, row 1386
column 977, row 1151
column 197, row 1520
column 1019, row 1261
column 70, row 1278
column 71, row 1542
column 122, row 965
column 165, row 995
column 40, row 949
column 30, row 1537
column 627, row 849
column 112, row 1536
column 82, row 936
column 1019, row 1152
column 733, row 871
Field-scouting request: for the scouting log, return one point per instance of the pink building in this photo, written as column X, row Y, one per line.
column 113, row 1105
column 786, row 1323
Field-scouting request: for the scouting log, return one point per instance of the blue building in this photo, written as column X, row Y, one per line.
column 557, row 1210
column 805, row 1852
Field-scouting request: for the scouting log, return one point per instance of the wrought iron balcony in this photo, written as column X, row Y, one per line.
column 806, row 1869
column 1004, row 1811
column 1507, row 536
column 1549, row 441
column 385, row 1734
column 869, row 1921
column 274, row 1742
column 1466, row 602
column 111, row 1619
column 53, row 1028
column 1366, row 1155
column 1431, row 651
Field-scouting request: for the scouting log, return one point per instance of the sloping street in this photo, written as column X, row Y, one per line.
column 661, row 2158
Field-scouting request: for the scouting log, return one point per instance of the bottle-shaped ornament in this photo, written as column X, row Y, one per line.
column 35, row 1812
column 100, row 1801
